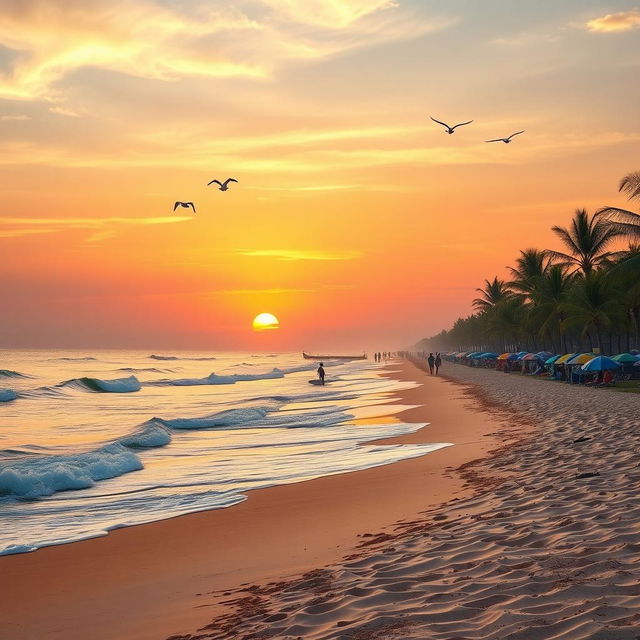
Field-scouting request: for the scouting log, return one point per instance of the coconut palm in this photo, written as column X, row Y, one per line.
column 492, row 293
column 531, row 265
column 626, row 222
column 595, row 306
column 587, row 240
column 549, row 302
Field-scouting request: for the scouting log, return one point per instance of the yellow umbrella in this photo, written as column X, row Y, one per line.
column 583, row 358
column 564, row 358
column 504, row 356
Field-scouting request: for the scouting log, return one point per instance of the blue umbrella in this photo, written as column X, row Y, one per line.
column 489, row 356
column 543, row 355
column 551, row 360
column 600, row 363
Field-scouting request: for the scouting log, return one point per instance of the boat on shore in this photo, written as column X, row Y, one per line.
column 309, row 356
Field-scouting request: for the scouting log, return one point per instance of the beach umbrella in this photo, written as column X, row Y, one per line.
column 543, row 355
column 474, row 354
column 513, row 356
column 581, row 358
column 551, row 360
column 489, row 356
column 530, row 356
column 625, row 357
column 600, row 363
column 565, row 357
column 504, row 356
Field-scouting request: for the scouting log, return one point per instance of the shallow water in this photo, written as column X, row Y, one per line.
column 90, row 442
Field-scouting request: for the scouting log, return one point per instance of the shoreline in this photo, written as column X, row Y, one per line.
column 155, row 580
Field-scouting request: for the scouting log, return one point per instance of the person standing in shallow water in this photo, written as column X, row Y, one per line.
column 321, row 373
column 431, row 360
column 437, row 362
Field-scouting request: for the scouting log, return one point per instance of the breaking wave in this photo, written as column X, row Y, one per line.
column 119, row 385
column 46, row 475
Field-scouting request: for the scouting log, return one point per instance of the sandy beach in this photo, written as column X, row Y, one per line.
column 167, row 578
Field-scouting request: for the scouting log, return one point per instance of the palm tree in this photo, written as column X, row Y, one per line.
column 530, row 267
column 626, row 222
column 595, row 306
column 492, row 293
column 587, row 240
column 549, row 303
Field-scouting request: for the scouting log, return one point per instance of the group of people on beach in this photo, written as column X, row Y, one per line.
column 379, row 357
column 435, row 362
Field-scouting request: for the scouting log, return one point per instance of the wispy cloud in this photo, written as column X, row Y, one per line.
column 301, row 254
column 162, row 41
column 613, row 22
column 8, row 118
column 13, row 227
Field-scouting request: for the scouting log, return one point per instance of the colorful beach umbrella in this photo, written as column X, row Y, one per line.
column 565, row 357
column 600, row 363
column 625, row 357
column 504, row 356
column 531, row 356
column 543, row 355
column 581, row 358
column 489, row 356
column 551, row 360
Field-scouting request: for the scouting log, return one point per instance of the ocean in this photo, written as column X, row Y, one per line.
column 94, row 441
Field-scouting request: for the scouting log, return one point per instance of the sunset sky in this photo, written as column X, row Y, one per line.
column 357, row 221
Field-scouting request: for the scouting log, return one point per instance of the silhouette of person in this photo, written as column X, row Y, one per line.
column 431, row 360
column 321, row 373
column 438, row 362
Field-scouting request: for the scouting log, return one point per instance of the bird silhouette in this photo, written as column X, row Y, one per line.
column 506, row 140
column 224, row 186
column 449, row 129
column 186, row 205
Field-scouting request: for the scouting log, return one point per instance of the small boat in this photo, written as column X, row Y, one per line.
column 308, row 356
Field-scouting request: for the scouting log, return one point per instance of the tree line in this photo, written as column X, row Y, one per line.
column 587, row 296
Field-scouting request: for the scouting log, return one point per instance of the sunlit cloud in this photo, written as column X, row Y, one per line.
column 295, row 254
column 14, row 118
column 151, row 39
column 103, row 228
column 612, row 22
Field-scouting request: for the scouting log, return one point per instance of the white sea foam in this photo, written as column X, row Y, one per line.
column 46, row 475
column 228, row 418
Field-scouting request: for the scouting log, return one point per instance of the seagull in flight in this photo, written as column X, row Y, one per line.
column 186, row 205
column 224, row 186
column 506, row 140
column 449, row 129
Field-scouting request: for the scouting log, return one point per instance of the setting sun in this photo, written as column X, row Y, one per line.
column 264, row 321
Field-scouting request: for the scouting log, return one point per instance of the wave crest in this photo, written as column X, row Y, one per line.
column 7, row 395
column 46, row 475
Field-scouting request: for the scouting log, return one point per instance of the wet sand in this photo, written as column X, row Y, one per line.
column 152, row 581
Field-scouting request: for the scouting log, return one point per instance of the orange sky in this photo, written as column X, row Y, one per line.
column 356, row 220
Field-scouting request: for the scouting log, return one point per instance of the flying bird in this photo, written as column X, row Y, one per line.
column 186, row 205
column 506, row 140
column 224, row 186
column 449, row 129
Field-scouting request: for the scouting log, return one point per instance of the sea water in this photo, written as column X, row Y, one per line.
column 91, row 442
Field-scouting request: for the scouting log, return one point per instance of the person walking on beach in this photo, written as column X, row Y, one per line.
column 321, row 373
column 431, row 360
column 437, row 362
